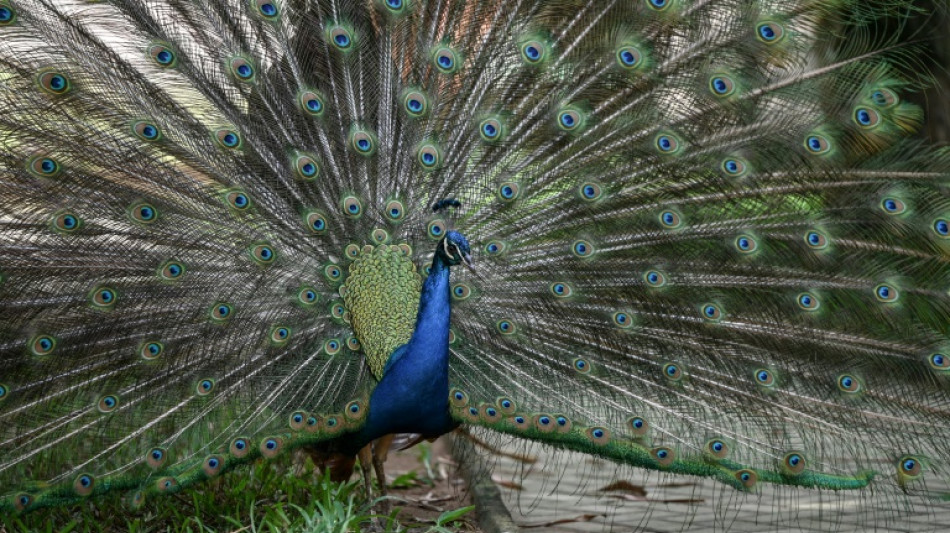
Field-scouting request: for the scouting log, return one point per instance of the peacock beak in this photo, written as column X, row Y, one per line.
column 468, row 262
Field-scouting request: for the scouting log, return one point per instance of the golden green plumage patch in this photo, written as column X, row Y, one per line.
column 382, row 296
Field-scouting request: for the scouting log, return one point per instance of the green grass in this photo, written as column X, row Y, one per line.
column 268, row 497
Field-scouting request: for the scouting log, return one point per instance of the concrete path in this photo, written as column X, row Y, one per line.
column 562, row 492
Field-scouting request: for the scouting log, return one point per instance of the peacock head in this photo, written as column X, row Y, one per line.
column 453, row 249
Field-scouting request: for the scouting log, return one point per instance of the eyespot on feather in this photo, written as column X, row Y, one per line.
column 663, row 455
column 793, row 463
column 213, row 465
column 271, row 447
column 84, row 484
column 156, row 458
column 638, row 426
column 163, row 55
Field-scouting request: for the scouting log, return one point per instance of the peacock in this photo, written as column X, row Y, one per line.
column 697, row 237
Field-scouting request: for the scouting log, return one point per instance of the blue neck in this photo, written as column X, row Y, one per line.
column 435, row 314
column 412, row 396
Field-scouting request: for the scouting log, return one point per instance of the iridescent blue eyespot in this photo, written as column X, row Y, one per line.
column 816, row 240
column 893, row 206
column 764, row 377
column 509, row 191
column 581, row 365
column 146, row 131
column 42, row 345
column 262, row 254
column 910, row 467
column 205, row 386
column 103, row 297
column 306, row 168
column 227, row 138
column 866, row 117
column 747, row 478
column 722, row 85
column 793, row 463
column 446, row 60
column 808, row 301
column 312, row 103
column 66, row 222
column 363, row 142
column 590, row 191
column 886, row 293
column 717, row 449
column 494, row 247
column 660, row 5
column 54, row 83
column 654, row 278
column 884, row 97
column 941, row 227
column 352, row 206
column 939, row 361
column 436, row 228
column 43, row 166
column 341, row 38
column 670, row 219
column 582, row 248
column 505, row 327
column 849, row 384
column 746, row 244
column 162, row 55
column 569, row 119
column 429, row 156
column 622, row 320
column 241, row 68
column 461, row 291
column 151, row 350
column 107, row 404
column 666, row 144
column 673, row 372
column 533, row 52
column 734, row 167
column 238, row 200
column 7, row 14
column 664, row 456
column 490, row 129
column 629, row 57
column 712, row 312
column 155, row 458
column 770, row 32
column 561, row 290
column 266, row 8
column 817, row 144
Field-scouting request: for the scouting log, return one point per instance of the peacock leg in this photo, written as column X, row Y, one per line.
column 365, row 455
column 380, row 452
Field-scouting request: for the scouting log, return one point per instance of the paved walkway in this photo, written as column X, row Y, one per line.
column 561, row 493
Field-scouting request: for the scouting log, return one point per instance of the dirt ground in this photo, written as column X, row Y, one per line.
column 424, row 491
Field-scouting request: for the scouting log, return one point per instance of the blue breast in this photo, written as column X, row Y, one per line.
column 412, row 396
